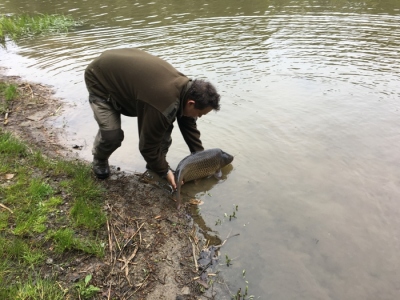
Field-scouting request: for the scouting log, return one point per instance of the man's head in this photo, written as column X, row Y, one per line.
column 202, row 97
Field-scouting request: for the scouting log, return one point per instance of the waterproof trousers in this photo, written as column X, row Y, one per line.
column 110, row 135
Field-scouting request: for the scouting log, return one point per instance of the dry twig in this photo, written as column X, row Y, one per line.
column 228, row 237
column 115, row 237
column 140, row 286
column 109, row 240
column 133, row 235
column 109, row 292
column 31, row 93
column 194, row 255
column 130, row 257
column 5, row 207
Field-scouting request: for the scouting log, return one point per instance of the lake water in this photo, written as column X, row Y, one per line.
column 310, row 109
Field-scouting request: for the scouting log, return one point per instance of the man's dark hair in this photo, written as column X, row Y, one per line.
column 204, row 94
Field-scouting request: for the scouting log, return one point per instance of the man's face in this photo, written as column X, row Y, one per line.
column 190, row 111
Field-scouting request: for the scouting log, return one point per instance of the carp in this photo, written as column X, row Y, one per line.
column 199, row 165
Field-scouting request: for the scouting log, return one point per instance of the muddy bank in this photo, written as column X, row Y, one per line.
column 152, row 249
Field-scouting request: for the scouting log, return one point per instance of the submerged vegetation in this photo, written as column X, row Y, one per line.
column 48, row 208
column 15, row 27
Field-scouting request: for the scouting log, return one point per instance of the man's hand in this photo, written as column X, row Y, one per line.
column 171, row 179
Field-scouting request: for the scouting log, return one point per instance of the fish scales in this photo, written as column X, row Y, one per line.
column 199, row 165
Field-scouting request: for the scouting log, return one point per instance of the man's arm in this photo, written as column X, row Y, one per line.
column 190, row 133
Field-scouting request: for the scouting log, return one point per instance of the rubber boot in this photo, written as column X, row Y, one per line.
column 101, row 168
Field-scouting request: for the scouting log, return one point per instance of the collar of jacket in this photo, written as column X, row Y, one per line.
column 183, row 98
column 176, row 108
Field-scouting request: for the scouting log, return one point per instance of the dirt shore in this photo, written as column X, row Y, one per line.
column 151, row 249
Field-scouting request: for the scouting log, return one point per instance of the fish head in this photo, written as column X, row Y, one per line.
column 226, row 159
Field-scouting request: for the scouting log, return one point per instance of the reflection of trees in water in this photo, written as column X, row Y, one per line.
column 206, row 231
column 191, row 189
column 204, row 185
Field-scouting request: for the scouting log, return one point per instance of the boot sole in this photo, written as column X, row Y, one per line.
column 101, row 176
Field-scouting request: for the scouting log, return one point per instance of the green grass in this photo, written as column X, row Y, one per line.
column 10, row 146
column 16, row 27
column 51, row 207
column 8, row 92
column 33, row 288
column 66, row 240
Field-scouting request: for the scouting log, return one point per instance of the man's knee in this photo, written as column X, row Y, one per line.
column 112, row 137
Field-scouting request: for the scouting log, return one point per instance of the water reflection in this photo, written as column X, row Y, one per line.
column 205, row 185
column 244, row 48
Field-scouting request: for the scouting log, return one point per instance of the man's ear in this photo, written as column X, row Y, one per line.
column 190, row 102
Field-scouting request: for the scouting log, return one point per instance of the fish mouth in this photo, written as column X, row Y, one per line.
column 227, row 158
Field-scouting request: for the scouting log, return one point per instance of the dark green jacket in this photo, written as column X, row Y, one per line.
column 145, row 86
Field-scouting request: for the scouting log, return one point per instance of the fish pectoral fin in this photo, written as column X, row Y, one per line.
column 218, row 174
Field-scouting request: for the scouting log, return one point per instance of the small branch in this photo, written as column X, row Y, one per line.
column 31, row 93
column 133, row 235
column 130, row 257
column 57, row 109
column 115, row 237
column 6, row 118
column 139, row 286
column 228, row 237
column 109, row 292
column 194, row 255
column 5, row 207
column 140, row 234
column 109, row 239
column 116, row 211
column 127, row 271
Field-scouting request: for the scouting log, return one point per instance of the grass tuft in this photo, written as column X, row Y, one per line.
column 11, row 146
column 66, row 240
column 15, row 27
column 9, row 91
column 34, row 287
